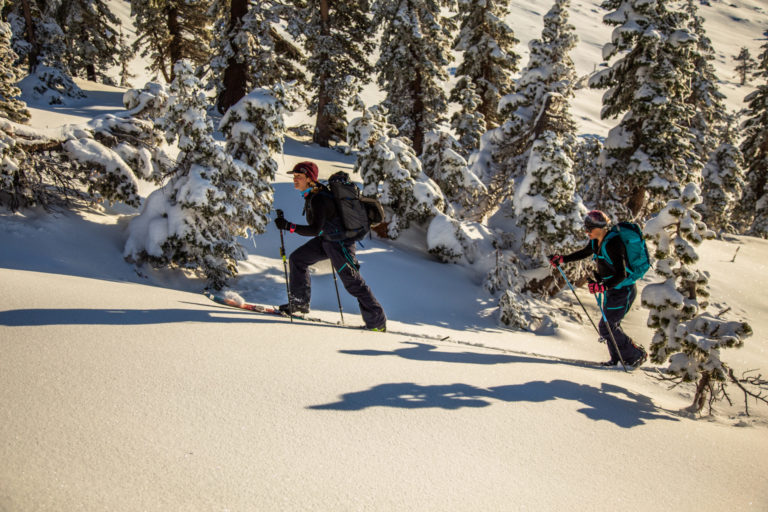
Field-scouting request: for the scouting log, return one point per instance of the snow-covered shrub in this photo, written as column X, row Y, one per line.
column 685, row 333
column 442, row 162
column 392, row 172
column 10, row 106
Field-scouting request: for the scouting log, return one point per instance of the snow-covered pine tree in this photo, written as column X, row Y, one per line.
column 745, row 65
column 170, row 30
column 754, row 147
column 338, row 40
column 487, row 44
column 38, row 39
column 549, row 74
column 649, row 155
column 442, row 163
column 546, row 204
column 723, row 182
column 414, row 54
column 251, row 51
column 392, row 172
column 687, row 336
column 93, row 43
column 254, row 128
column 193, row 220
column 10, row 106
column 709, row 111
column 468, row 123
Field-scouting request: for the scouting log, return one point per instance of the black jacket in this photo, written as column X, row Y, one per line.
column 611, row 270
column 320, row 212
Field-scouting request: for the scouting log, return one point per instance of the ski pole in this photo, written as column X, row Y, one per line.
column 338, row 297
column 578, row 299
column 285, row 265
column 599, row 296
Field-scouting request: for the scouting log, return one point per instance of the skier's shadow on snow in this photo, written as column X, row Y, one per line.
column 606, row 403
column 117, row 316
column 427, row 352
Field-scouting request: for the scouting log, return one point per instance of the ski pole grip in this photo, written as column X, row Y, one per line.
column 279, row 214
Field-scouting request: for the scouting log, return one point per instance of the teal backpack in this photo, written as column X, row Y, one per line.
column 638, row 259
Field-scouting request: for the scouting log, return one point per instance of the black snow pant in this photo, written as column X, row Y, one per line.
column 616, row 305
column 342, row 255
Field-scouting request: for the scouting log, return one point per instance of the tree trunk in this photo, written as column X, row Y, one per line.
column 417, row 114
column 322, row 135
column 236, row 73
column 35, row 51
column 702, row 391
column 175, row 47
column 637, row 201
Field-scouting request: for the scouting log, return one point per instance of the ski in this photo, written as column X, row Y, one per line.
column 272, row 310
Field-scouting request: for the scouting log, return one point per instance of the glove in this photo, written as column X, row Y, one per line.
column 555, row 260
column 596, row 287
column 284, row 225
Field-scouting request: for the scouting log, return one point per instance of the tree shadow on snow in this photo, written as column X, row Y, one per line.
column 40, row 317
column 606, row 403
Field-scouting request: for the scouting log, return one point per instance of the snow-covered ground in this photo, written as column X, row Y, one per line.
column 124, row 388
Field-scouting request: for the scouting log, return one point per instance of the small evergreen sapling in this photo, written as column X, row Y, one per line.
column 687, row 335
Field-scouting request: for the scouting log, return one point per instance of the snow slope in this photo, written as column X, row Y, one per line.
column 124, row 388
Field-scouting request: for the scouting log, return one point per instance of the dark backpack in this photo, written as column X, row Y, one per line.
column 357, row 213
column 638, row 259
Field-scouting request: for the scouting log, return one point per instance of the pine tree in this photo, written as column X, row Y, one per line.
column 686, row 334
column 487, row 44
column 539, row 101
column 723, row 182
column 251, row 51
column 468, row 123
column 93, row 43
column 171, row 30
column 588, row 172
column 339, row 40
column 746, row 65
column 38, row 39
column 392, row 172
column 754, row 147
column 709, row 111
column 442, row 163
column 10, row 106
column 193, row 220
column 649, row 155
column 414, row 54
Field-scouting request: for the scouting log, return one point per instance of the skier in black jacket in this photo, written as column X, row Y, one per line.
column 611, row 271
column 322, row 221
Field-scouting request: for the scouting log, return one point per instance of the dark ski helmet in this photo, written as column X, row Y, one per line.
column 596, row 219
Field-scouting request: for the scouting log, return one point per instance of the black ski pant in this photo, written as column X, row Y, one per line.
column 343, row 259
column 615, row 307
